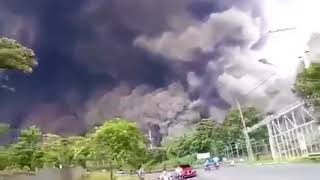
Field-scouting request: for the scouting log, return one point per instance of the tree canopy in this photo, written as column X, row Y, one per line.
column 211, row 136
column 23, row 152
column 203, row 139
column 4, row 128
column 308, row 84
column 117, row 142
column 123, row 140
column 120, row 143
column 14, row 56
column 232, row 126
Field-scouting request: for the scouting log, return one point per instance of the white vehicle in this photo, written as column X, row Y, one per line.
column 178, row 172
column 165, row 176
column 120, row 171
column 232, row 163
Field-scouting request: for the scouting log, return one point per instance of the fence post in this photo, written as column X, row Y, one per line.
column 237, row 149
column 271, row 141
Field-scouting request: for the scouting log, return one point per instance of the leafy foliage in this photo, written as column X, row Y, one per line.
column 117, row 142
column 210, row 136
column 14, row 56
column 4, row 128
column 308, row 84
column 188, row 144
column 157, row 154
column 58, row 151
column 200, row 141
column 124, row 142
column 231, row 130
column 23, row 153
column 4, row 158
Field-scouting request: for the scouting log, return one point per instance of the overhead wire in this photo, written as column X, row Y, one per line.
column 274, row 73
column 260, row 84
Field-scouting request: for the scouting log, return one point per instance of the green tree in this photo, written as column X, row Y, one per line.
column 14, row 56
column 4, row 158
column 180, row 146
column 307, row 84
column 4, row 128
column 49, row 151
column 81, row 150
column 207, row 127
column 123, row 140
column 156, row 155
column 23, row 152
column 232, row 129
column 59, row 151
column 99, row 153
column 202, row 140
column 211, row 136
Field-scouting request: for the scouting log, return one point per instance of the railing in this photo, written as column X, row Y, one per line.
column 272, row 117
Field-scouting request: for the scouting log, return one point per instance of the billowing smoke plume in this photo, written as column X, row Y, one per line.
column 167, row 108
column 227, row 42
column 164, row 64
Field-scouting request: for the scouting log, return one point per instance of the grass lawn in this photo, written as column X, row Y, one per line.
column 106, row 176
column 306, row 160
column 295, row 160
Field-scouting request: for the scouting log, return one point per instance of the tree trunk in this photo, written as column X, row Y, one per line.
column 111, row 171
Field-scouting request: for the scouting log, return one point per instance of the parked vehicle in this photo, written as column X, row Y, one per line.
column 209, row 167
column 212, row 164
column 120, row 171
column 185, row 171
column 166, row 176
column 212, row 167
column 217, row 165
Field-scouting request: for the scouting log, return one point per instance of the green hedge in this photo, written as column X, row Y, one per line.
column 106, row 176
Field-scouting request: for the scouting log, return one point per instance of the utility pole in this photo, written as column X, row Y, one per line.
column 245, row 131
column 246, row 134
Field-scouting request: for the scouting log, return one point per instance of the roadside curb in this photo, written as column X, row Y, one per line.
column 270, row 163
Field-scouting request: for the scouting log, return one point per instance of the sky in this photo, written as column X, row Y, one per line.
column 284, row 48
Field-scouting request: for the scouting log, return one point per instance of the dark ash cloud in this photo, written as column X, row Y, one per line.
column 99, row 59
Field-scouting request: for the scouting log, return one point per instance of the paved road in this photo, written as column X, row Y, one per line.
column 267, row 172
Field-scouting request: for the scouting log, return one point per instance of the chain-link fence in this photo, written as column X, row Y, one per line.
column 238, row 151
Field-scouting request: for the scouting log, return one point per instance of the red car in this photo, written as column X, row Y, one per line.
column 185, row 171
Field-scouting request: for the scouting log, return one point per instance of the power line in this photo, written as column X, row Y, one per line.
column 281, row 30
column 265, row 62
column 260, row 84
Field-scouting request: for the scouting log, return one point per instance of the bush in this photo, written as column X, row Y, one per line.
column 106, row 176
column 157, row 154
column 190, row 159
column 4, row 163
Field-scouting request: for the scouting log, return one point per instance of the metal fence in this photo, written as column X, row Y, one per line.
column 238, row 152
column 293, row 133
